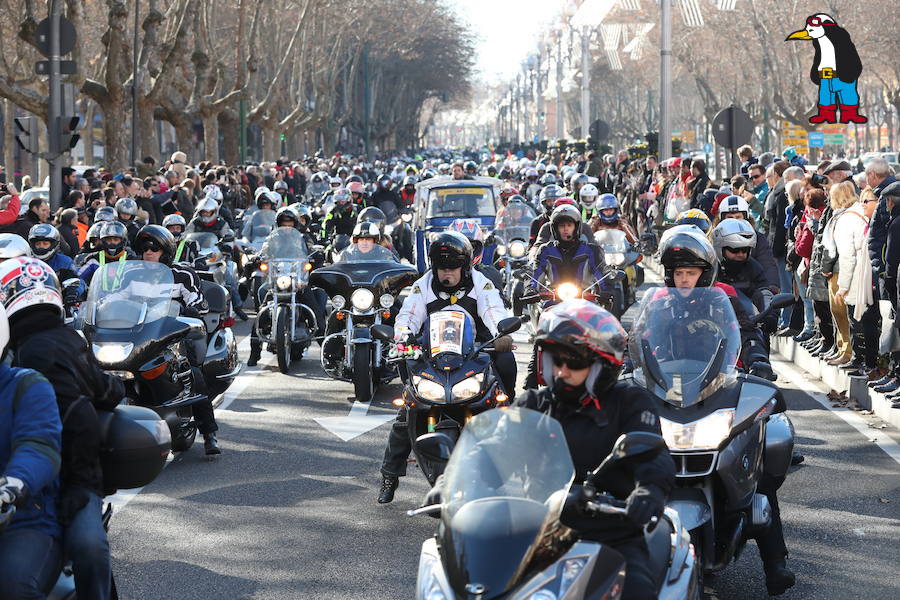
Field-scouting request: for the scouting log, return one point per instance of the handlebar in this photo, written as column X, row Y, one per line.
column 608, row 505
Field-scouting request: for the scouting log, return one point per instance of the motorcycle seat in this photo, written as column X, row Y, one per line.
column 659, row 544
column 216, row 295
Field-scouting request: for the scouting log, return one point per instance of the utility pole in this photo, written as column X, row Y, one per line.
column 585, row 81
column 365, row 58
column 665, row 80
column 55, row 113
column 539, row 89
column 135, row 81
column 559, row 99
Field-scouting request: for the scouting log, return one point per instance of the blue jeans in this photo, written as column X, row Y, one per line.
column 808, row 315
column 30, row 562
column 786, row 284
column 834, row 91
column 87, row 546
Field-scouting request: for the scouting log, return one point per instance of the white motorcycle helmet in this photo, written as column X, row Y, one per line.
column 588, row 195
column 214, row 192
column 4, row 331
column 12, row 245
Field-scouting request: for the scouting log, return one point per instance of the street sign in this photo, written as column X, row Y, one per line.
column 67, row 36
column 816, row 139
column 687, row 136
column 707, row 148
column 66, row 67
column 732, row 127
column 599, row 130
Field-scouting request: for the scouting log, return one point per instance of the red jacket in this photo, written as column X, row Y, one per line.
column 9, row 214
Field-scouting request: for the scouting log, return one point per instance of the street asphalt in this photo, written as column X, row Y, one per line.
column 288, row 510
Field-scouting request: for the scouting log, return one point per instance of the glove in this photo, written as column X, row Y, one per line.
column 71, row 501
column 11, row 490
column 434, row 494
column 645, row 502
column 70, row 296
column 503, row 343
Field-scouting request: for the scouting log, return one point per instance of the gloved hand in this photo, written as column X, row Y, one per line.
column 503, row 343
column 434, row 494
column 71, row 500
column 11, row 490
column 70, row 296
column 645, row 502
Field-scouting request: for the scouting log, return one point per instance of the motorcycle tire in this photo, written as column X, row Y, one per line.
column 183, row 443
column 282, row 338
column 617, row 303
column 363, row 384
column 699, row 557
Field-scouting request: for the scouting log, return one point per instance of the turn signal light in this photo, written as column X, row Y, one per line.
column 398, row 402
column 155, row 371
column 229, row 322
column 501, row 263
column 264, row 266
column 307, row 267
column 385, row 314
column 339, row 316
column 502, row 398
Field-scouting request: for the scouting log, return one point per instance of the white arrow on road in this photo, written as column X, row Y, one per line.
column 355, row 424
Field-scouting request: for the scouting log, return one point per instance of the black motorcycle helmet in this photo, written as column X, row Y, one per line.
column 575, row 183
column 584, row 335
column 286, row 217
column 372, row 214
column 449, row 250
column 44, row 232
column 113, row 229
column 686, row 246
column 104, row 214
column 470, row 167
column 384, row 182
column 156, row 237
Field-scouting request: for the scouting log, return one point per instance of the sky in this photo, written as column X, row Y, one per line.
column 506, row 31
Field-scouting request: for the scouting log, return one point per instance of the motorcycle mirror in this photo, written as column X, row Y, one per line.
column 72, row 282
column 508, row 326
column 648, row 243
column 384, row 333
column 435, row 446
column 635, row 446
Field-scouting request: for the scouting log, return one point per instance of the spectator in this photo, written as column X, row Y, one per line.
column 9, row 208
column 840, row 171
column 38, row 212
column 818, row 285
column 798, row 258
column 890, row 199
column 745, row 153
column 68, row 183
column 699, row 182
column 848, row 281
column 68, row 229
column 26, row 183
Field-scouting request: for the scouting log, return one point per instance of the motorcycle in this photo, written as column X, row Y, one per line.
column 447, row 378
column 501, row 534
column 546, row 297
column 253, row 269
column 349, row 352
column 717, row 421
column 135, row 331
column 621, row 254
column 211, row 257
column 399, row 228
column 283, row 322
column 510, row 236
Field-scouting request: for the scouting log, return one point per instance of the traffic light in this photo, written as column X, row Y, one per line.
column 67, row 136
column 26, row 141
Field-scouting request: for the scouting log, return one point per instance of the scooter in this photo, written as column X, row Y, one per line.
column 504, row 492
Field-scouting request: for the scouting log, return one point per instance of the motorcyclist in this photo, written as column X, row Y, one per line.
column 548, row 197
column 186, row 250
column 587, row 197
column 408, row 191
column 126, row 212
column 35, row 313
column 689, row 262
column 582, row 349
column 113, row 240
column 530, row 186
column 207, row 220
column 377, row 217
column 156, row 244
column 29, row 462
column 471, row 168
column 735, row 207
column 695, row 217
column 341, row 218
column 578, row 181
column 545, row 234
column 281, row 188
column 384, row 192
column 264, row 201
column 450, row 281
column 734, row 240
column 609, row 217
column 44, row 240
column 358, row 194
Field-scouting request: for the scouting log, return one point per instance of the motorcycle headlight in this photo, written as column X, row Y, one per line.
column 407, row 218
column 543, row 595
column 112, row 352
column 429, row 390
column 703, row 434
column 517, row 249
column 362, row 299
column 501, row 250
column 338, row 302
column 386, row 301
column 568, row 291
column 431, row 583
column 468, row 387
column 283, row 282
column 616, row 259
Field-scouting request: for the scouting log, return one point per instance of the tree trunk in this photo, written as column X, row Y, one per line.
column 211, row 137
column 115, row 143
column 231, row 138
column 9, row 141
column 147, row 139
column 88, row 131
column 184, row 138
column 271, row 144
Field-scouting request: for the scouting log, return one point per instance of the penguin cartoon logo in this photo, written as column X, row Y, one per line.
column 835, row 69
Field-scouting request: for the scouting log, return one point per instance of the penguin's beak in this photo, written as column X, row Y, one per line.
column 799, row 35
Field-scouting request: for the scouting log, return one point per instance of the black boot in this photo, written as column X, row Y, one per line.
column 389, row 484
column 255, row 355
column 211, row 444
column 778, row 577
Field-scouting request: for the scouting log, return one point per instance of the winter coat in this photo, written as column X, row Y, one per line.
column 817, row 286
column 762, row 252
column 878, row 229
column 9, row 214
column 29, row 445
column 776, row 205
column 849, row 238
column 891, row 257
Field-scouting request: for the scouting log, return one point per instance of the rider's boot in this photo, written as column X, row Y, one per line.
column 211, row 444
column 389, row 485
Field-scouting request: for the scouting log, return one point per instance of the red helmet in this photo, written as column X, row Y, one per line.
column 564, row 201
column 356, row 187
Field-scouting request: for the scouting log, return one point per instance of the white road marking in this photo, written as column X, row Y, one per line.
column 810, row 387
column 354, row 424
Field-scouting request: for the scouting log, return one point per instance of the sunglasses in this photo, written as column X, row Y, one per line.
column 757, row 176
column 738, row 250
column 152, row 246
column 575, row 363
column 816, row 22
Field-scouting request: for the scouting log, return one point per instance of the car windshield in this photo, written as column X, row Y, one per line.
column 377, row 254
column 285, row 243
column 482, row 465
column 463, row 201
column 685, row 346
column 128, row 293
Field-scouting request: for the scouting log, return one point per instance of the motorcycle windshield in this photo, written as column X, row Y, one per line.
column 513, row 224
column 611, row 240
column 375, row 255
column 125, row 294
column 262, row 224
column 285, row 243
column 450, row 332
column 505, row 486
column 685, row 343
column 463, row 201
